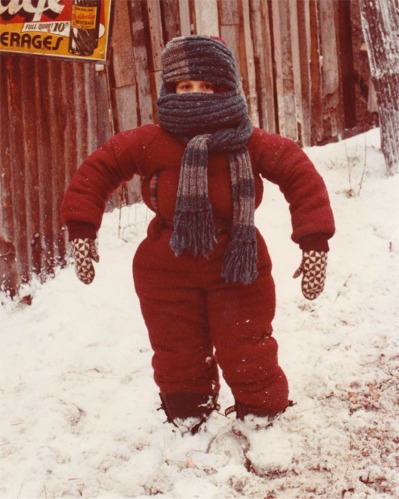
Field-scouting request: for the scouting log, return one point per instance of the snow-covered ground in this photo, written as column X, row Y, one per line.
column 79, row 408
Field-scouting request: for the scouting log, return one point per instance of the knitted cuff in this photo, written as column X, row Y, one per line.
column 81, row 230
column 315, row 242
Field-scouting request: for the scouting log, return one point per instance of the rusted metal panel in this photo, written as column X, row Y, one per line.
column 16, row 166
column 54, row 113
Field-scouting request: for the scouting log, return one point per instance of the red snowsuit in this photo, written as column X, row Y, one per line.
column 194, row 318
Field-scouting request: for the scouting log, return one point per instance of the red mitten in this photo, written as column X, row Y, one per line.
column 313, row 269
column 84, row 251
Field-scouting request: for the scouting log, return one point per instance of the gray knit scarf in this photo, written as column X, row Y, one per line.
column 207, row 123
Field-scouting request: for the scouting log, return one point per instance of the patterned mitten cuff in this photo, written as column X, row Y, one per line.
column 84, row 251
column 313, row 269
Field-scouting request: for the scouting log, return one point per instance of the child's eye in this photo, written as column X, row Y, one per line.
column 207, row 86
column 184, row 87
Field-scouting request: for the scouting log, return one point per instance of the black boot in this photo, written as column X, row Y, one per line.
column 188, row 410
column 242, row 410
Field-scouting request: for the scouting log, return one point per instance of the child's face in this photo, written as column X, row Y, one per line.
column 189, row 86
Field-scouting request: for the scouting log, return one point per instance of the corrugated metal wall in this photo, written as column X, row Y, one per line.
column 298, row 73
column 53, row 115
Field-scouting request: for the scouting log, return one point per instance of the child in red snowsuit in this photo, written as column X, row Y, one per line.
column 203, row 273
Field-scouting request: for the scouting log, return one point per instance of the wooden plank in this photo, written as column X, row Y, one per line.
column 141, row 62
column 156, row 79
column 125, row 108
column 101, row 100
column 329, row 49
column 184, row 15
column 228, row 12
column 171, row 17
column 381, row 26
column 263, row 59
column 156, row 83
column 96, row 84
column 80, row 120
column 330, row 69
column 121, row 42
column 72, row 124
column 301, row 80
column 206, row 17
column 156, row 35
column 302, row 56
column 230, row 34
column 242, row 55
column 132, row 191
column 284, row 70
column 347, row 76
column 123, row 97
column 315, row 73
column 247, row 54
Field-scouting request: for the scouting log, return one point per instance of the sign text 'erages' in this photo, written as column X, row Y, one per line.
column 76, row 29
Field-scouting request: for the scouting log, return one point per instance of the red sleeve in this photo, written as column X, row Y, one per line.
column 283, row 162
column 99, row 175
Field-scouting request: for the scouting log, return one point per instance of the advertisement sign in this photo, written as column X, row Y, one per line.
column 77, row 29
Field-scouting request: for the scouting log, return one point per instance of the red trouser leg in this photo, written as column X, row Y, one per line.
column 189, row 309
column 240, row 320
column 174, row 310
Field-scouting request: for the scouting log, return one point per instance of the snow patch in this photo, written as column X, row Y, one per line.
column 79, row 405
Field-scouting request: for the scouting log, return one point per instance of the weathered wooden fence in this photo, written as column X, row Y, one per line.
column 303, row 74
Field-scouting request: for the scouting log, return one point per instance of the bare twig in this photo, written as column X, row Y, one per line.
column 349, row 168
column 20, row 489
column 342, row 287
column 364, row 165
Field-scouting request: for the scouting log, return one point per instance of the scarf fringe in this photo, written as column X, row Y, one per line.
column 240, row 262
column 194, row 232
